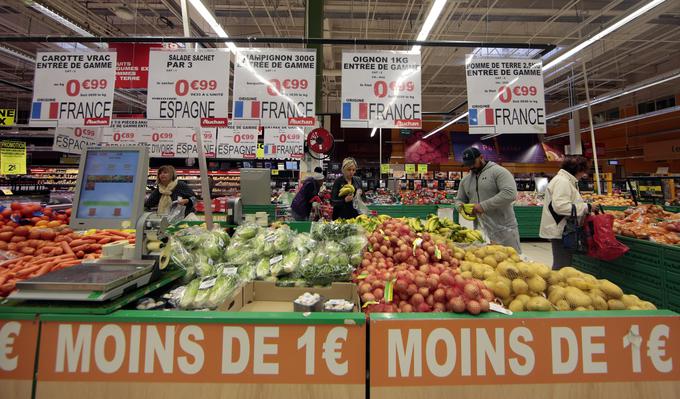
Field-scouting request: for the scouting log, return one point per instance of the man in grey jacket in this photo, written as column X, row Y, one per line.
column 492, row 189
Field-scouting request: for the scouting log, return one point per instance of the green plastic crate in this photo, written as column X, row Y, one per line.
column 674, row 209
column 252, row 209
column 673, row 293
column 300, row 227
column 671, row 260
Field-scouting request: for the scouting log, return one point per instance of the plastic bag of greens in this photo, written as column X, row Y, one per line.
column 262, row 268
column 204, row 265
column 211, row 246
column 334, row 231
column 224, row 287
column 290, row 262
column 303, row 243
column 190, row 237
column 237, row 248
column 246, row 231
column 182, row 258
column 246, row 271
column 205, row 286
column 277, row 241
column 328, row 263
column 189, row 294
column 276, row 265
column 354, row 244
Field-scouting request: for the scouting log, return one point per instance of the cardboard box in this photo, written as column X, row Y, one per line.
column 264, row 296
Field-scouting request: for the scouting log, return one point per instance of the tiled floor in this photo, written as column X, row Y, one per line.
column 538, row 251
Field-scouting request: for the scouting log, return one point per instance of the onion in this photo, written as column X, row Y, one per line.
column 411, row 290
column 367, row 297
column 425, row 269
column 364, row 288
column 488, row 295
column 433, row 283
column 422, row 259
column 429, row 300
column 370, row 279
column 457, row 304
column 407, row 308
column 450, row 293
column 447, row 279
column 370, row 269
column 417, row 299
column 439, row 295
column 420, row 281
column 471, row 290
column 378, row 294
column 389, row 253
column 423, row 307
column 460, row 281
column 378, row 284
column 484, row 305
column 439, row 307
column 365, row 263
column 473, row 307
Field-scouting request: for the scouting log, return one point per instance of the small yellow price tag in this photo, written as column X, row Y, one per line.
column 275, row 172
column 410, row 168
column 422, row 168
column 6, row 191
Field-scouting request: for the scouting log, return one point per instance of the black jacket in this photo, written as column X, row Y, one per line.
column 341, row 208
column 181, row 190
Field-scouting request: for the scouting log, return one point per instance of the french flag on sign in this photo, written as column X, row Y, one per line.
column 247, row 109
column 481, row 117
column 354, row 111
column 45, row 110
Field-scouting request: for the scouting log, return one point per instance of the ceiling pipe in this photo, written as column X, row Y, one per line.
column 274, row 40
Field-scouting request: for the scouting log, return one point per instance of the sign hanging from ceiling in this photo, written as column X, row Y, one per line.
column 381, row 89
column 73, row 89
column 186, row 143
column 188, row 88
column 237, row 142
column 284, row 143
column 7, row 117
column 132, row 64
column 505, row 95
column 275, row 87
column 75, row 140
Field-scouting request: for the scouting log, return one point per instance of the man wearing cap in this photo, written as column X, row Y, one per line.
column 302, row 204
column 492, row 189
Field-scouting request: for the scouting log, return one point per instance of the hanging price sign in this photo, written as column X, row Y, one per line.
column 284, row 143
column 73, row 89
column 75, row 140
column 187, row 146
column 275, row 87
column 381, row 89
column 237, row 142
column 188, row 87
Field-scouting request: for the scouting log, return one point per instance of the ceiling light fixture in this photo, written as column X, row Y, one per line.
column 210, row 19
column 432, row 17
column 373, row 131
column 449, row 123
column 58, row 18
column 611, row 28
column 579, row 47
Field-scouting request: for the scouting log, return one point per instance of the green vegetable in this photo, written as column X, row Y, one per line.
column 203, row 292
column 354, row 244
column 189, row 294
column 246, row 231
column 224, row 287
column 262, row 268
column 291, row 261
column 276, row 265
column 203, row 266
column 356, row 259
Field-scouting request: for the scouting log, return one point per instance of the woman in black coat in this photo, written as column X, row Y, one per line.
column 169, row 190
column 343, row 207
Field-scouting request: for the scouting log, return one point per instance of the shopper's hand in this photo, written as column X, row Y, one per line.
column 349, row 198
column 183, row 201
column 478, row 210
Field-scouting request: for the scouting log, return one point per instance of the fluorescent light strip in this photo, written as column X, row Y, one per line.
column 65, row 22
column 604, row 33
column 373, row 131
column 432, row 17
column 616, row 94
column 210, row 19
column 449, row 123
column 580, row 47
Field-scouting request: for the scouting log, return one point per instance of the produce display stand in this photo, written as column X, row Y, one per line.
column 411, row 211
column 19, row 343
column 269, row 209
column 529, row 221
column 600, row 354
column 178, row 354
column 649, row 270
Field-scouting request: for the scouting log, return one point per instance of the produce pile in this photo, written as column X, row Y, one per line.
column 406, row 271
column 435, row 225
column 529, row 198
column 381, row 196
column 39, row 250
column 532, row 286
column 32, row 214
column 426, row 196
column 649, row 222
column 608, row 200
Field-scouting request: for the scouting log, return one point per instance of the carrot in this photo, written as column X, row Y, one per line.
column 56, row 251
column 82, row 241
column 80, row 248
column 105, row 240
column 27, row 270
column 91, row 256
column 15, row 260
column 67, row 249
column 94, row 247
column 46, row 268
column 116, row 233
column 64, row 265
column 80, row 254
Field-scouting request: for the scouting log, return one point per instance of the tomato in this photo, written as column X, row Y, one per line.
column 6, row 213
column 21, row 231
column 60, row 217
column 41, row 222
column 16, row 206
column 35, row 220
column 6, row 236
column 47, row 211
column 54, row 223
column 27, row 212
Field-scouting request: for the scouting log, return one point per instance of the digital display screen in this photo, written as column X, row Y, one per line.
column 291, row 165
column 108, row 185
column 613, row 162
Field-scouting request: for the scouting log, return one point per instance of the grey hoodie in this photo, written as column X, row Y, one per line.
column 496, row 190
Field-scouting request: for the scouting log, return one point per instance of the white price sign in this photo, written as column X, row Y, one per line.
column 73, row 89
column 187, row 147
column 122, row 136
column 275, row 87
column 162, row 142
column 188, row 87
column 381, row 89
column 75, row 140
column 505, row 95
column 237, row 142
column 284, row 143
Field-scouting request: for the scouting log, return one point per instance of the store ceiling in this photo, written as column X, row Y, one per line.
column 647, row 47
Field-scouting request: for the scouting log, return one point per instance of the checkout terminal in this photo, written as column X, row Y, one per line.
column 110, row 193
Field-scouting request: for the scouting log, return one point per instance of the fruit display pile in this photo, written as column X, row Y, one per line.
column 435, row 225
column 608, row 200
column 38, row 250
column 531, row 286
column 381, row 196
column 649, row 222
column 426, row 196
column 529, row 198
column 403, row 271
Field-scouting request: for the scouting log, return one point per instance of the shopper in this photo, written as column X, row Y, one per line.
column 492, row 189
column 301, row 206
column 169, row 190
column 561, row 193
column 343, row 207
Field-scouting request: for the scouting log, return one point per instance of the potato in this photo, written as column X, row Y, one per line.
column 519, row 286
column 537, row 284
column 612, row 290
column 563, row 305
column 539, row 304
column 516, row 306
column 502, row 289
column 524, row 298
column 615, row 304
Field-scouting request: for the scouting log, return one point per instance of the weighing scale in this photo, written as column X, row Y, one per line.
column 109, row 194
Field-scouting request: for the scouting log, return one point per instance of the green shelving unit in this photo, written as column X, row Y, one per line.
column 529, row 221
column 252, row 209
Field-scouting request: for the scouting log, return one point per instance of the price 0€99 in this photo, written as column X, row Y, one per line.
column 161, row 136
column 382, row 88
column 247, row 136
column 75, row 86
column 275, row 85
column 506, row 93
column 183, row 87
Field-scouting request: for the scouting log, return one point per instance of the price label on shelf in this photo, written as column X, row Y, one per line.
column 237, row 142
column 187, row 88
column 73, row 89
column 275, row 87
column 275, row 172
column 384, row 168
column 505, row 95
column 422, row 168
column 12, row 157
column 410, row 168
column 381, row 89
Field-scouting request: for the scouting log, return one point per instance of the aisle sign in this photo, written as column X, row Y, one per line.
column 381, row 89
column 275, row 87
column 505, row 95
column 201, row 353
column 132, row 64
column 18, row 343
column 384, row 168
column 188, row 88
column 464, row 351
column 422, row 168
column 186, row 143
column 73, row 89
column 7, row 117
column 237, row 142
column 12, row 157
column 284, row 143
column 74, row 140
column 410, row 168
